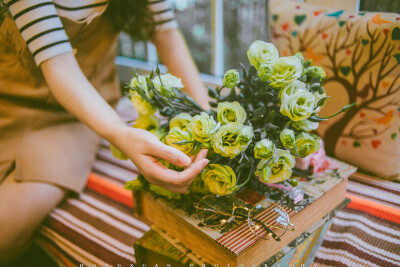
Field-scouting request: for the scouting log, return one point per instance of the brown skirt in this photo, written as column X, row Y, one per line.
column 38, row 138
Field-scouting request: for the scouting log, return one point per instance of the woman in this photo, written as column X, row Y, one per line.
column 53, row 57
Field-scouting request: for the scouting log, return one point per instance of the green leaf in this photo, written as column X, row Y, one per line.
column 212, row 93
column 259, row 112
column 271, row 116
column 158, row 70
column 213, row 104
column 183, row 142
column 322, row 101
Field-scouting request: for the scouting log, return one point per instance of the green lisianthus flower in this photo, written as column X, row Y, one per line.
column 203, row 127
column 263, row 171
column 141, row 105
column 296, row 102
column 165, row 84
column 168, row 80
column 264, row 149
column 176, row 135
column 300, row 56
column 228, row 112
column 265, row 71
column 160, row 133
column 231, row 139
column 305, row 125
column 147, row 122
column 261, row 52
column 219, row 179
column 198, row 186
column 285, row 71
column 287, row 138
column 315, row 71
column 276, row 170
column 306, row 144
column 231, row 78
column 181, row 121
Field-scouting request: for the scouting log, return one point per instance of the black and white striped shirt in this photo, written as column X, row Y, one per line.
column 40, row 25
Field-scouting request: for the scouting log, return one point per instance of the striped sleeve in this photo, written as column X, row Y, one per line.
column 163, row 15
column 40, row 27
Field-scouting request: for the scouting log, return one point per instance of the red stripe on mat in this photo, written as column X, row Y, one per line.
column 109, row 189
column 374, row 208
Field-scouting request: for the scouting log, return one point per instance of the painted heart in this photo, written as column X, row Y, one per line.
column 275, row 17
column 344, row 142
column 393, row 136
column 297, row 7
column 324, row 36
column 397, row 57
column 362, row 114
column 348, row 52
column 375, row 143
column 345, row 70
column 396, row 33
column 364, row 42
column 351, row 16
column 299, row 19
column 386, row 31
column 294, row 33
column 398, row 19
column 356, row 144
column 385, row 84
column 342, row 23
column 285, row 26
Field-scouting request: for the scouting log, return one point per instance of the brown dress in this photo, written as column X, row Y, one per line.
column 42, row 141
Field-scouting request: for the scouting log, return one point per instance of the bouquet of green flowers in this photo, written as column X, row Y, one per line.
column 258, row 126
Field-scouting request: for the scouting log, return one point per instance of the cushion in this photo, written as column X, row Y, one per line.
column 360, row 52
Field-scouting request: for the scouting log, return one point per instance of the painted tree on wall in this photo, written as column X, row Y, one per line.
column 361, row 57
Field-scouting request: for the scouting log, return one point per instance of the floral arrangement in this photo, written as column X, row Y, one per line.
column 257, row 127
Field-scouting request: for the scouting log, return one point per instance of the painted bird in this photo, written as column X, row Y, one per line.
column 310, row 54
column 385, row 119
column 377, row 19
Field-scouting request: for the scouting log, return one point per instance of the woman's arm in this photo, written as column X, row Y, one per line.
column 75, row 93
column 173, row 52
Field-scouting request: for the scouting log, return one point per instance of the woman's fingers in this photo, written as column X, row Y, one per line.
column 201, row 155
column 188, row 175
column 158, row 174
column 170, row 154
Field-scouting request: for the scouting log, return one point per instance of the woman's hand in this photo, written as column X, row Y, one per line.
column 78, row 96
column 144, row 149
